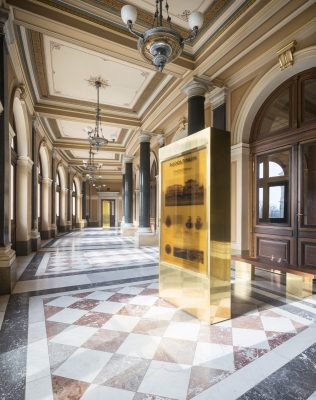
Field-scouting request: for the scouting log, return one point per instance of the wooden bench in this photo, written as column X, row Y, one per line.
column 299, row 282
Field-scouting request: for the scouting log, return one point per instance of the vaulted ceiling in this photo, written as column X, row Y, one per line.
column 64, row 43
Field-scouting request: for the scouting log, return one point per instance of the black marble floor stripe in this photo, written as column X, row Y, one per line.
column 294, row 381
column 13, row 348
column 32, row 276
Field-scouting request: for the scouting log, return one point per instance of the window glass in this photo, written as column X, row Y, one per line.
column 275, row 169
column 277, row 115
column 272, row 187
column 276, row 201
column 309, row 101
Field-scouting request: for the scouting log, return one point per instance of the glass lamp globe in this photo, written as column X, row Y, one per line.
column 129, row 13
column 195, row 20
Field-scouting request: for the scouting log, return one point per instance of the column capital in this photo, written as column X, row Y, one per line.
column 145, row 137
column 161, row 140
column 198, row 86
column 128, row 159
column 25, row 161
column 218, row 96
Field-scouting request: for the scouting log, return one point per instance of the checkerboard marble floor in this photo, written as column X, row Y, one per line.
column 115, row 340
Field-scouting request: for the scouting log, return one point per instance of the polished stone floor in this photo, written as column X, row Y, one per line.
column 86, row 322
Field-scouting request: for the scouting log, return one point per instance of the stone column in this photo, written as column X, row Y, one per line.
column 79, row 223
column 46, row 227
column 218, row 102
column 128, row 229
column 144, row 183
column 196, row 90
column 23, row 240
column 35, row 236
column 69, row 202
column 53, row 197
column 123, row 200
column 7, row 255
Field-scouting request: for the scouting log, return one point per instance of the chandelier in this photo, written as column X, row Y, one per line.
column 96, row 137
column 161, row 44
column 89, row 165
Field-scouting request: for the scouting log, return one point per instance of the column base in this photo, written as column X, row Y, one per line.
column 62, row 229
column 80, row 225
column 69, row 226
column 23, row 247
column 35, row 240
column 146, row 239
column 53, row 231
column 128, row 229
column 7, row 270
column 45, row 235
column 84, row 223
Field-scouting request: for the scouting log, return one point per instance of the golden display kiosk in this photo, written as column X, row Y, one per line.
column 194, row 266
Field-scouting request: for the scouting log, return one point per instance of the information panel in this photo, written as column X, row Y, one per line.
column 183, row 237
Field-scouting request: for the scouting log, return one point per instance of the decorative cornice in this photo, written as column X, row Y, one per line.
column 218, row 97
column 128, row 159
column 144, row 137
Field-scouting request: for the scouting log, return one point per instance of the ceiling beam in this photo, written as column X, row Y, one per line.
column 77, row 144
column 50, row 111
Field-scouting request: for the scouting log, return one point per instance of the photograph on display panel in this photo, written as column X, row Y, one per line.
column 183, row 237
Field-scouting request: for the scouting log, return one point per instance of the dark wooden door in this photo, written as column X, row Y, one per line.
column 306, row 213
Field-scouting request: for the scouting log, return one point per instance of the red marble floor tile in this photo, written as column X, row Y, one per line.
column 93, row 319
column 54, row 328
column 82, row 295
column 151, row 327
column 203, row 378
column 121, row 297
column 216, row 334
column 298, row 326
column 86, row 304
column 277, row 338
column 248, row 322
column 105, row 340
column 150, row 292
column 68, row 389
column 245, row 355
column 49, row 311
column 134, row 310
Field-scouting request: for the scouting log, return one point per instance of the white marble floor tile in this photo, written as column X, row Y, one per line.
column 74, row 335
column 160, row 313
column 213, row 355
column 109, row 307
column 83, row 365
column 67, row 316
column 167, row 380
column 144, row 300
column 63, row 301
column 182, row 330
column 40, row 389
column 96, row 392
column 98, row 295
column 131, row 290
column 277, row 324
column 250, row 338
column 137, row 345
column 121, row 323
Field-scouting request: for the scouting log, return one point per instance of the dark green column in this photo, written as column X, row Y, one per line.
column 128, row 191
column 144, row 184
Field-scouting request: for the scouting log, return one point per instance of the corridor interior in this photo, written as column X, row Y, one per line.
column 86, row 322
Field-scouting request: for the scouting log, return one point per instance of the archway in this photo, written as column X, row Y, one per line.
column 76, row 203
column 45, row 184
column 61, row 175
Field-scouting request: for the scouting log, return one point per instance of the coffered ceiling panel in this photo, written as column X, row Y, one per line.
column 100, row 155
column 178, row 9
column 78, row 130
column 69, row 67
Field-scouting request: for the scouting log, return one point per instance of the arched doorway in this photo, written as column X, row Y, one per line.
column 283, row 148
column 39, row 193
column 74, row 205
column 57, row 201
column 14, row 156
